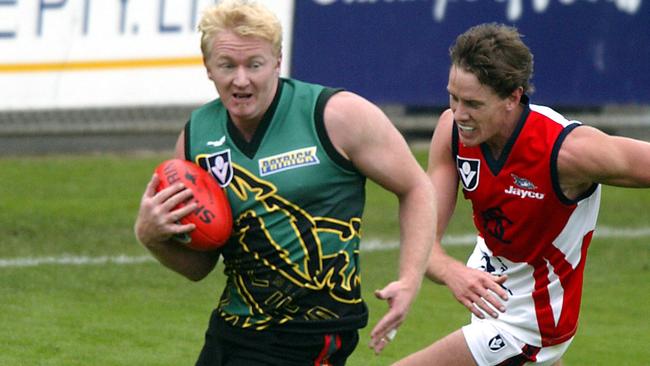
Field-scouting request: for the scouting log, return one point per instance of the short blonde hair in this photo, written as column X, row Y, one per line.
column 245, row 18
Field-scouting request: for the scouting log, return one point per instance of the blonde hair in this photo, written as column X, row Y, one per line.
column 246, row 18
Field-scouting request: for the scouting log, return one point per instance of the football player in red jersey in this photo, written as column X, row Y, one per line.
column 533, row 178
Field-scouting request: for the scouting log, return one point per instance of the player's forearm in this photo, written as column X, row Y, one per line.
column 440, row 264
column 417, row 218
column 192, row 264
column 446, row 191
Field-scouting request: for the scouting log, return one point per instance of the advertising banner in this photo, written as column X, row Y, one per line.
column 586, row 52
column 104, row 53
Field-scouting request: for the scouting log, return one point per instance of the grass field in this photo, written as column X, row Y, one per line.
column 97, row 298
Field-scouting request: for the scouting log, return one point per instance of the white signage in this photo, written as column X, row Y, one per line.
column 97, row 53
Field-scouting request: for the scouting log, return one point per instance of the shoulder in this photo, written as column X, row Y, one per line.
column 352, row 123
column 349, row 112
column 443, row 130
column 345, row 105
column 209, row 106
column 445, row 121
column 578, row 143
column 580, row 134
column 207, row 112
column 580, row 158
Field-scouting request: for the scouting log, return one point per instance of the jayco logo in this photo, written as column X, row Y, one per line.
column 524, row 189
column 524, row 193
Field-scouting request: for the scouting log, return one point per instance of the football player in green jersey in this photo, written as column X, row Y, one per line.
column 293, row 158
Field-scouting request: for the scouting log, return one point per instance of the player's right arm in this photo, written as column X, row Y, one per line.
column 469, row 286
column 157, row 223
column 589, row 156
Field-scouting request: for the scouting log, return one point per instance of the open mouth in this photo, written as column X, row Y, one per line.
column 465, row 128
column 242, row 96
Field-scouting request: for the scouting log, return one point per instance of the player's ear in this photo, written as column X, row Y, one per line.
column 207, row 69
column 279, row 64
column 514, row 98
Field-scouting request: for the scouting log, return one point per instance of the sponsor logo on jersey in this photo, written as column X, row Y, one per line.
column 220, row 166
column 289, row 160
column 496, row 343
column 468, row 170
column 523, row 182
column 218, row 142
column 523, row 188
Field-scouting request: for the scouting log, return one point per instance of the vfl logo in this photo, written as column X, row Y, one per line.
column 468, row 170
column 220, row 166
column 496, row 343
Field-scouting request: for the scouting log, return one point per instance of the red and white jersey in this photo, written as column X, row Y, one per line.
column 528, row 229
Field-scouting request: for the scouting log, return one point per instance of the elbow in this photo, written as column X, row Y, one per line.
column 197, row 273
column 194, row 277
column 192, row 274
column 197, row 270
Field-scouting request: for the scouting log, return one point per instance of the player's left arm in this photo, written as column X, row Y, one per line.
column 589, row 156
column 362, row 133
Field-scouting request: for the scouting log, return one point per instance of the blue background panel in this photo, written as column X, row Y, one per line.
column 587, row 53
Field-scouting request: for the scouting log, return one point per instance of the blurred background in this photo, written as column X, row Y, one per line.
column 93, row 76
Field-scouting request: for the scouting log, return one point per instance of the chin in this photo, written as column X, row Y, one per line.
column 470, row 142
column 240, row 111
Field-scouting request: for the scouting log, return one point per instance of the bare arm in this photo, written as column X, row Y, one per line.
column 469, row 286
column 442, row 172
column 590, row 156
column 156, row 223
column 362, row 133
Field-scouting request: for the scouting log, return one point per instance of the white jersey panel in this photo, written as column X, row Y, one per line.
column 582, row 221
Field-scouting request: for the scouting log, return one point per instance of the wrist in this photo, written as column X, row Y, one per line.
column 440, row 270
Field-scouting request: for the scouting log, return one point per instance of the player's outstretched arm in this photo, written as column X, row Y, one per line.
column 589, row 156
column 362, row 133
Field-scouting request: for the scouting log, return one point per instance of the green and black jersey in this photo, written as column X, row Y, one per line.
column 293, row 259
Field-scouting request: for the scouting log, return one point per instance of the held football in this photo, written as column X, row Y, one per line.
column 212, row 217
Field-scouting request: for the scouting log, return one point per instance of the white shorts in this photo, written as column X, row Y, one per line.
column 491, row 346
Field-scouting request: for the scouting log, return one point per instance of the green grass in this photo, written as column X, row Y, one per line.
column 111, row 314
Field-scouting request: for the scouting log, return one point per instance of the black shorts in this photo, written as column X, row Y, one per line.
column 240, row 347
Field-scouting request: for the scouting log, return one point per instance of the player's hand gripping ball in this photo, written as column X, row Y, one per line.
column 212, row 217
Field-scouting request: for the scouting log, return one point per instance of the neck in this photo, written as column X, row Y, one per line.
column 247, row 128
column 510, row 122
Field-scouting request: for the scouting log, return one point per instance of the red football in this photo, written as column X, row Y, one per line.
column 213, row 218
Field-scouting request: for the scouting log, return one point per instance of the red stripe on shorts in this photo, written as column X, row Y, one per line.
column 528, row 354
column 329, row 348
